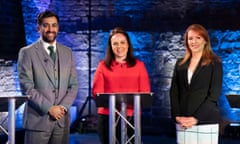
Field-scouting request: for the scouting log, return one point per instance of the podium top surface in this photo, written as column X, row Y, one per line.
column 126, row 93
column 102, row 99
column 4, row 101
column 234, row 100
column 15, row 97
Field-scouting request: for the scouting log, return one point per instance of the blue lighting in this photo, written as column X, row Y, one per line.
column 225, row 43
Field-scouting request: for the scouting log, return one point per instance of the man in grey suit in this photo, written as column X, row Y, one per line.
column 49, row 77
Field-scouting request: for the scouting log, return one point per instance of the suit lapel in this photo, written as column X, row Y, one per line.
column 196, row 72
column 45, row 60
column 186, row 74
column 62, row 61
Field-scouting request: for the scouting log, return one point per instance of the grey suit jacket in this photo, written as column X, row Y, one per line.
column 37, row 79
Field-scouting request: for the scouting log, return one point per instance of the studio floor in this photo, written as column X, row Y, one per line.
column 92, row 138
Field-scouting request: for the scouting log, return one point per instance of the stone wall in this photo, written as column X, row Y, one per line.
column 156, row 29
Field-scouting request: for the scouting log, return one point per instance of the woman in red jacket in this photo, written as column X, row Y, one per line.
column 120, row 71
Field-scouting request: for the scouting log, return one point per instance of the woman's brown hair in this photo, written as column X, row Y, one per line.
column 208, row 55
column 130, row 59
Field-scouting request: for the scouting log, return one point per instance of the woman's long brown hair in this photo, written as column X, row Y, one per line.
column 130, row 59
column 208, row 55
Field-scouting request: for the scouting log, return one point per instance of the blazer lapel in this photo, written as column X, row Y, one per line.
column 62, row 61
column 196, row 72
column 185, row 74
column 45, row 61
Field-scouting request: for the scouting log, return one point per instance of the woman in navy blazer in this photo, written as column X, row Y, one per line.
column 196, row 84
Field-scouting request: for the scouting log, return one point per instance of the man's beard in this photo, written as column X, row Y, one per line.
column 46, row 39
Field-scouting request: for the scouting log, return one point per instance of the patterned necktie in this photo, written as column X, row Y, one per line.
column 52, row 53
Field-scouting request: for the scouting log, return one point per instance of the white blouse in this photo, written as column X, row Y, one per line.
column 190, row 73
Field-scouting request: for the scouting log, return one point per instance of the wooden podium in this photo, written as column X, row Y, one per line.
column 113, row 100
column 10, row 104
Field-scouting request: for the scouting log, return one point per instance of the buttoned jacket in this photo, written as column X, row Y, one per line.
column 47, row 83
column 199, row 98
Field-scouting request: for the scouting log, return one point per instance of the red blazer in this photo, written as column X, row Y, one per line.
column 120, row 79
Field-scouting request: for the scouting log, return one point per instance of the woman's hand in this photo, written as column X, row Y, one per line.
column 186, row 122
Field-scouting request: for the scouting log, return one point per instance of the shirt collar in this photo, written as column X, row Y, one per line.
column 46, row 45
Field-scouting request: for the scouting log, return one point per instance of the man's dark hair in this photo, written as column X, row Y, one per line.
column 46, row 14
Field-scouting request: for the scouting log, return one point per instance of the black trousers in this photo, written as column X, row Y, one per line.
column 103, row 129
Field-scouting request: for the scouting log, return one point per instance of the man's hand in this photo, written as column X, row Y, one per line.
column 56, row 112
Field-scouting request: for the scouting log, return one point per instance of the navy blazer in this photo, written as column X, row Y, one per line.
column 199, row 98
